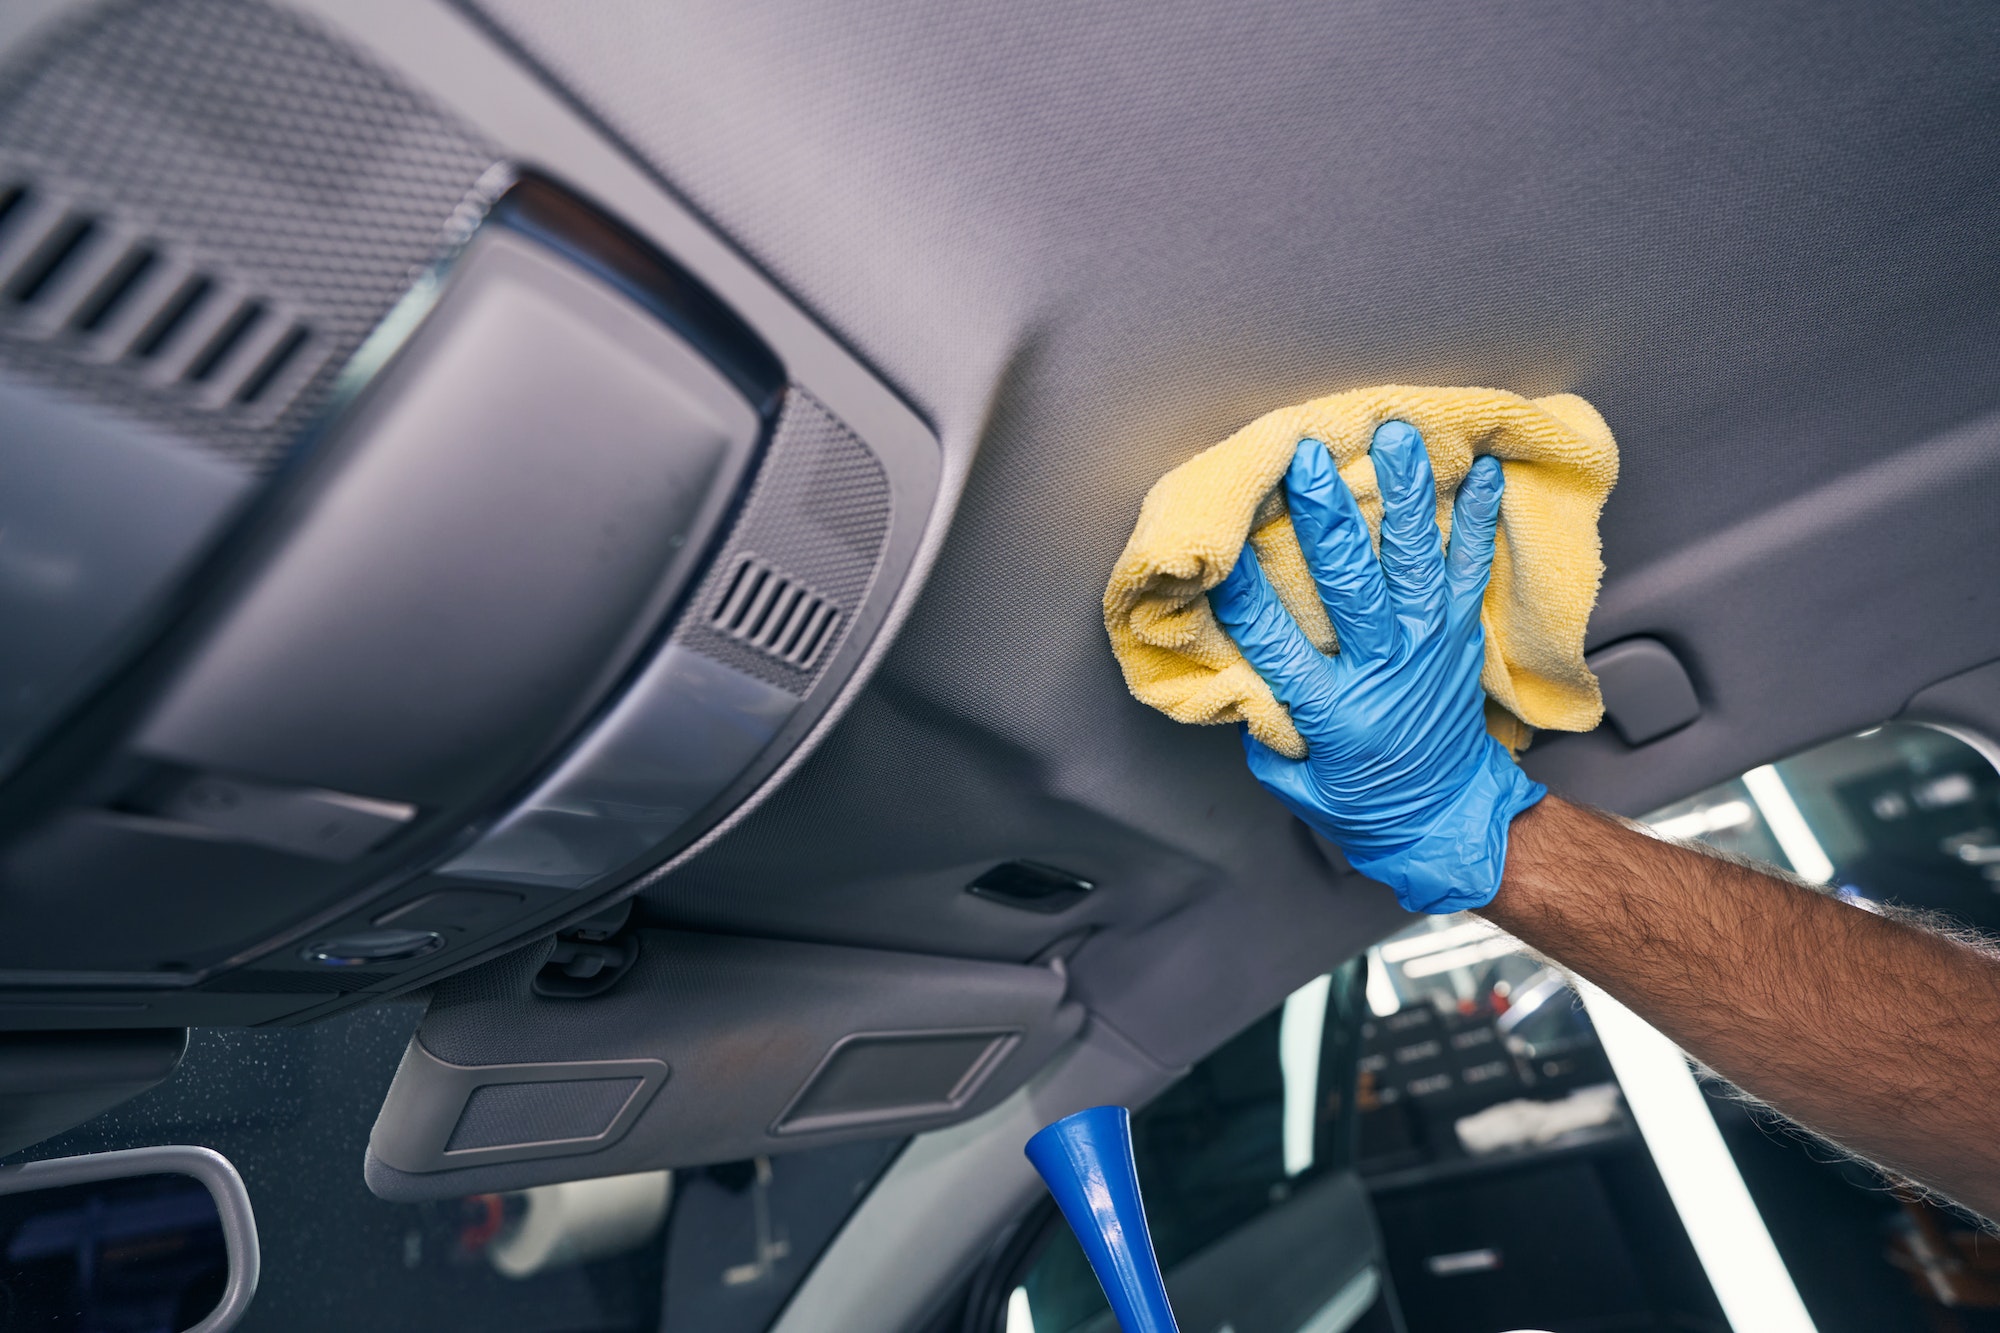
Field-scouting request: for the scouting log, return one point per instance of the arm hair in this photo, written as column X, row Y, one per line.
column 1878, row 1032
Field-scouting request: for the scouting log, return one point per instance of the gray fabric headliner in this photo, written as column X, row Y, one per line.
column 1087, row 240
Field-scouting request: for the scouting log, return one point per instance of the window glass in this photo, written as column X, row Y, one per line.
column 1896, row 815
column 1463, row 1020
column 1506, row 1170
column 1510, row 1181
column 1900, row 813
column 159, row 1261
column 1249, row 1128
column 1902, row 816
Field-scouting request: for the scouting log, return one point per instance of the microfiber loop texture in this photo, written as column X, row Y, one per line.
column 1560, row 463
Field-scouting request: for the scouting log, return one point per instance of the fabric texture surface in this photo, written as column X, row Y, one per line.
column 1560, row 463
column 1086, row 246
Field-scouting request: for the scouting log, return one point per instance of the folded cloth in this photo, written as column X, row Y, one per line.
column 1560, row 463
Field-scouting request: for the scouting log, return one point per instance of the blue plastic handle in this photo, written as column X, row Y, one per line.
column 1086, row 1159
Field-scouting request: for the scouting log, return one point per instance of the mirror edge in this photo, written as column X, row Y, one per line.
column 216, row 1173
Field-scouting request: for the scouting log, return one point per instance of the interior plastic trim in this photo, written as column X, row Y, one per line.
column 415, row 1137
column 1347, row 1305
column 744, row 1024
column 55, row 1081
column 681, row 734
column 101, row 519
column 407, row 544
column 598, row 243
column 1647, row 693
column 444, row 52
column 936, row 1210
column 650, row 248
column 1965, row 707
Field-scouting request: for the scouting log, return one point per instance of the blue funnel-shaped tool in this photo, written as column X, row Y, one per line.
column 1087, row 1161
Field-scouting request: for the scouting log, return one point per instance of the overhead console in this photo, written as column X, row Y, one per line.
column 415, row 530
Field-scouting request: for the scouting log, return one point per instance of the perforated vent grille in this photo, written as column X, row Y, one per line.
column 801, row 557
column 208, row 204
column 116, row 297
column 774, row 614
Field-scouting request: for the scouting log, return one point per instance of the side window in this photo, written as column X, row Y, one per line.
column 1461, row 1085
column 1899, row 814
column 1897, row 817
column 1486, row 1091
column 1507, row 1172
column 1250, row 1138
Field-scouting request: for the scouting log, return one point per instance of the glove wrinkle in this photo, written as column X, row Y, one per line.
column 1399, row 770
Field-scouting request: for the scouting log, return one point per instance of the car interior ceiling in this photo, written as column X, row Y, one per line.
column 554, row 553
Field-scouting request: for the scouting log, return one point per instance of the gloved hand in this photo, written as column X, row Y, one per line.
column 1400, row 772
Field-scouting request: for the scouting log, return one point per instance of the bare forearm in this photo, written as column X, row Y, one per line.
column 1879, row 1035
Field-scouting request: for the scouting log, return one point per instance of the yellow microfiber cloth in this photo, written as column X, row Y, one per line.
column 1560, row 463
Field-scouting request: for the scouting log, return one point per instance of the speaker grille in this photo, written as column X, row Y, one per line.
column 800, row 559
column 501, row 1115
column 116, row 298
column 774, row 614
column 205, row 205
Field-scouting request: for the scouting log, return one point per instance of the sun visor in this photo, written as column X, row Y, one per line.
column 708, row 1049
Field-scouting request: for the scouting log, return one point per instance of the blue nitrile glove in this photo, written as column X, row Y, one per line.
column 1399, row 772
